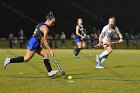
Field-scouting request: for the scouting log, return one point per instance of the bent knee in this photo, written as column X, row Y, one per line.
column 46, row 56
column 110, row 50
column 26, row 59
column 84, row 46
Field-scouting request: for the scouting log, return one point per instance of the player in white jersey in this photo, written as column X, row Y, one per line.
column 105, row 39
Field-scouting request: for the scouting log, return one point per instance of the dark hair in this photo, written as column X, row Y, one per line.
column 78, row 19
column 50, row 16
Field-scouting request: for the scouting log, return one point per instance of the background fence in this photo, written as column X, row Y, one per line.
column 67, row 44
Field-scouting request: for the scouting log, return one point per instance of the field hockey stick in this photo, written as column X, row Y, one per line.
column 115, row 42
column 100, row 45
column 97, row 46
column 58, row 66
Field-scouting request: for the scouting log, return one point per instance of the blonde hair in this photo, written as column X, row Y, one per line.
column 112, row 18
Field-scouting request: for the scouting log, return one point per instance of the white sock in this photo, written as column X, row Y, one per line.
column 104, row 54
column 103, row 60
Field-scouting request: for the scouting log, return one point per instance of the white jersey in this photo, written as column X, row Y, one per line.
column 108, row 33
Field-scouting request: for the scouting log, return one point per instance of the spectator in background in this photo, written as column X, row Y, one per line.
column 127, row 38
column 21, row 32
column 63, row 39
column 73, row 37
column 134, row 40
column 11, row 37
column 56, row 37
column 50, row 40
column 21, row 38
column 15, row 42
column 98, row 32
column 21, row 41
column 87, row 40
column 94, row 39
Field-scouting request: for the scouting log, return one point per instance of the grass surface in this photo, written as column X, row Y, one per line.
column 121, row 73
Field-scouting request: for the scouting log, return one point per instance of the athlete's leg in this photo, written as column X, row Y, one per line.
column 83, row 45
column 46, row 59
column 77, row 50
column 103, row 56
column 107, row 51
column 43, row 53
column 27, row 57
column 104, row 59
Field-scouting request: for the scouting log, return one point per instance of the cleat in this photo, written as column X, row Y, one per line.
column 6, row 62
column 52, row 73
column 99, row 66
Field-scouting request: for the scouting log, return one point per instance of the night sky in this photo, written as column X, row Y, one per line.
column 95, row 13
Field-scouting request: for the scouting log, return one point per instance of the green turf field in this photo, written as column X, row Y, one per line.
column 121, row 75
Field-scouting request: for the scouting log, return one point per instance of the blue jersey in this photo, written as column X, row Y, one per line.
column 34, row 42
column 38, row 34
column 82, row 31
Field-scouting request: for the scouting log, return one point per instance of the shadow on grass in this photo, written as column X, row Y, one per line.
column 22, row 76
column 66, row 75
column 125, row 66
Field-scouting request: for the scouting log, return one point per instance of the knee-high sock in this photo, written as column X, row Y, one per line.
column 104, row 59
column 104, row 54
column 48, row 65
column 17, row 59
column 77, row 51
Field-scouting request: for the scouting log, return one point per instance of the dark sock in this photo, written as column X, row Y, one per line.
column 48, row 65
column 77, row 51
column 82, row 48
column 17, row 59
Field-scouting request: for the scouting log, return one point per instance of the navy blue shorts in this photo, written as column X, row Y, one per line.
column 77, row 40
column 33, row 44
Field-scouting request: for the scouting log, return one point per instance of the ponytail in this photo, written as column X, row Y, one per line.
column 50, row 16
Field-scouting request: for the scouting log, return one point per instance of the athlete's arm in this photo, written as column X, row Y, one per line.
column 101, row 37
column 77, row 31
column 120, row 35
column 41, row 42
column 45, row 31
column 84, row 35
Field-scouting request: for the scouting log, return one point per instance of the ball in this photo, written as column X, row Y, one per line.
column 69, row 77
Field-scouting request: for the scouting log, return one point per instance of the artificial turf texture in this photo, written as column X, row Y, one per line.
column 121, row 73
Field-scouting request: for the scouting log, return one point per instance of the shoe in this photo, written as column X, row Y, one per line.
column 76, row 57
column 99, row 66
column 98, row 59
column 52, row 73
column 6, row 62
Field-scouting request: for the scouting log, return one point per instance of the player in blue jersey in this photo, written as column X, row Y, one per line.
column 80, row 35
column 35, row 46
